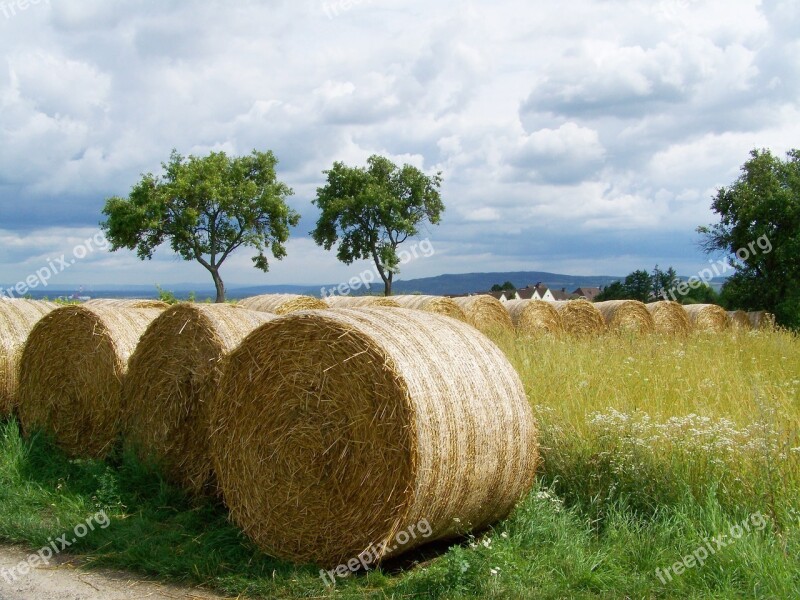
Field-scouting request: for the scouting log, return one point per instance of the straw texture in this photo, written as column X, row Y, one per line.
column 71, row 374
column 334, row 430
column 360, row 301
column 281, row 304
column 761, row 319
column 127, row 302
column 485, row 312
column 707, row 317
column 432, row 304
column 580, row 317
column 17, row 319
column 669, row 317
column 738, row 319
column 171, row 377
column 626, row 315
column 534, row 317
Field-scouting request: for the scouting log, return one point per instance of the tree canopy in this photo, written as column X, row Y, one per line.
column 369, row 211
column 206, row 207
column 759, row 233
column 505, row 287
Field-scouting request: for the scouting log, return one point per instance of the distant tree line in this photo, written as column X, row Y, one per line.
column 659, row 285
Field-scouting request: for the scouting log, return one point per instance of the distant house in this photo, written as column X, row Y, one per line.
column 588, row 293
column 562, row 294
column 504, row 296
column 535, row 292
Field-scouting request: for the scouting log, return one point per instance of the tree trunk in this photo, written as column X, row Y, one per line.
column 387, row 285
column 219, row 285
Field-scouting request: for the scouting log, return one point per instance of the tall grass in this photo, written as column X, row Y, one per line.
column 648, row 420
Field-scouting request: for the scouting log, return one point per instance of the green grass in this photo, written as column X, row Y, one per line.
column 630, row 483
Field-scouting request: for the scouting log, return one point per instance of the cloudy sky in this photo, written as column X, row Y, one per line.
column 584, row 137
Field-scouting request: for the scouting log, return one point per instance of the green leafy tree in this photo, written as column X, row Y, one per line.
column 369, row 211
column 759, row 232
column 206, row 207
column 663, row 281
column 638, row 286
column 506, row 287
column 613, row 291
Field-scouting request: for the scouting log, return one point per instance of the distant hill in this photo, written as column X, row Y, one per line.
column 441, row 285
column 480, row 282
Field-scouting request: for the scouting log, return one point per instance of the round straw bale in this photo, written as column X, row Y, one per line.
column 580, row 317
column 335, row 430
column 127, row 302
column 761, row 319
column 485, row 312
column 707, row 317
column 171, row 377
column 71, row 372
column 738, row 320
column 17, row 318
column 669, row 317
column 626, row 315
column 534, row 317
column 433, row 304
column 360, row 301
column 281, row 304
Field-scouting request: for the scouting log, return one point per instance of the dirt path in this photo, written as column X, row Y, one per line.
column 64, row 579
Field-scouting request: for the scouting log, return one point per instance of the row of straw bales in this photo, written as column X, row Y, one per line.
column 372, row 419
column 533, row 317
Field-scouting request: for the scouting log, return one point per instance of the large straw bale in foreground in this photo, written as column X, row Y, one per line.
column 71, row 374
column 17, row 319
column 334, row 430
column 534, row 317
column 626, row 315
column 281, row 304
column 707, row 317
column 438, row 305
column 127, row 302
column 669, row 317
column 738, row 320
column 361, row 302
column 171, row 378
column 485, row 312
column 580, row 317
column 761, row 319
